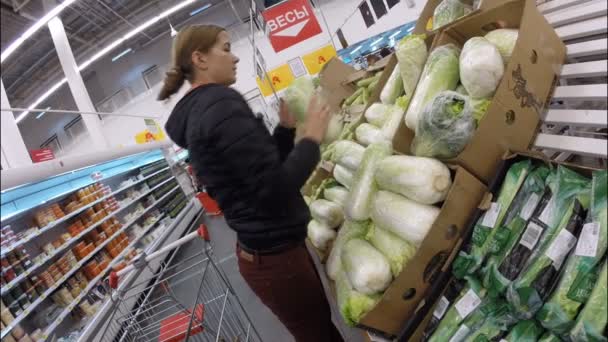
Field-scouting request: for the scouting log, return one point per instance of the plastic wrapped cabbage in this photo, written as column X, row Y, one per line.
column 327, row 212
column 348, row 154
column 504, row 40
column 367, row 269
column 398, row 251
column 411, row 53
column 367, row 134
column 481, row 67
column 343, row 175
column 297, row 96
column 445, row 126
column 320, row 234
column 424, row 180
column 461, row 89
column 349, row 230
column 440, row 73
column 394, row 116
column 376, row 114
column 336, row 194
column 448, row 11
column 353, row 304
column 393, row 88
column 408, row 219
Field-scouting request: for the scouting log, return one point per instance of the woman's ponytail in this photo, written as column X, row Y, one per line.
column 174, row 80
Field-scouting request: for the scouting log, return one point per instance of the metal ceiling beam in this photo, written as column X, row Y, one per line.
column 121, row 17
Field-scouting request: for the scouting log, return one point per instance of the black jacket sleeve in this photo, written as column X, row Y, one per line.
column 254, row 156
column 284, row 137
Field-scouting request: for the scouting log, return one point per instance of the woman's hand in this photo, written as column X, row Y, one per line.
column 317, row 120
column 286, row 119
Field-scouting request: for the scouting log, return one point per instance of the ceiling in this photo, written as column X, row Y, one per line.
column 90, row 25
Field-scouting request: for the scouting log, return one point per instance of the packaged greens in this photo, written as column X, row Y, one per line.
column 352, row 304
column 376, row 114
column 358, row 202
column 485, row 228
column 528, row 292
column 549, row 337
column 349, row 230
column 347, row 153
column 509, row 233
column 396, row 250
column 393, row 88
column 488, row 323
column 444, row 127
column 448, row 11
column 451, row 293
column 411, row 53
column 440, row 73
column 591, row 322
column 580, row 273
column 524, row 331
column 468, row 301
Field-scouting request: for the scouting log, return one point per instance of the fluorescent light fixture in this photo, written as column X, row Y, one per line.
column 411, row 29
column 117, row 57
column 376, row 41
column 41, row 114
column 394, row 34
column 33, row 29
column 199, row 10
column 103, row 51
column 357, row 49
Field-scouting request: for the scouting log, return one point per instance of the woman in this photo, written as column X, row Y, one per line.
column 254, row 177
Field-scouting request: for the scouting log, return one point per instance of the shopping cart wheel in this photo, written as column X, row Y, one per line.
column 203, row 232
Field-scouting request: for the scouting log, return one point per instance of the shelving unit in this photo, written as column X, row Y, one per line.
column 170, row 198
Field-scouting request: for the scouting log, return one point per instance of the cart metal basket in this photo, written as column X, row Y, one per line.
column 188, row 300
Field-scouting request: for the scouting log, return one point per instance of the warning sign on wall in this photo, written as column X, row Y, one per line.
column 280, row 77
column 290, row 23
column 315, row 60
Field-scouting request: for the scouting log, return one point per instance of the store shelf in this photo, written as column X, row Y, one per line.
column 68, row 244
column 55, row 223
column 51, row 328
column 88, row 332
column 81, row 263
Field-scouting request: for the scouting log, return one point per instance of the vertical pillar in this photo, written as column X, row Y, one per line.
column 14, row 152
column 75, row 82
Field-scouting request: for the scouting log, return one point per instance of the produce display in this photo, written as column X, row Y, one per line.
column 448, row 11
column 535, row 269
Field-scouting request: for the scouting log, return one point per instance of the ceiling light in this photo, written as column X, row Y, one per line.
column 104, row 51
column 376, row 41
column 199, row 10
column 34, row 28
column 394, row 34
column 117, row 57
column 357, row 49
column 41, row 114
column 411, row 29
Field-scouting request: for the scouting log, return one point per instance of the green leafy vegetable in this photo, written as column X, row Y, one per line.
column 326, row 212
column 367, row 269
column 348, row 154
column 393, row 88
column 481, row 67
column 504, row 40
column 320, row 234
column 343, row 175
column 349, row 230
column 591, row 323
column 396, row 250
column 336, row 194
column 525, row 331
column 448, row 11
column 376, row 114
column 411, row 53
column 353, row 304
column 367, row 134
column 297, row 96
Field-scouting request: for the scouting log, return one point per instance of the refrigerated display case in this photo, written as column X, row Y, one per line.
column 61, row 237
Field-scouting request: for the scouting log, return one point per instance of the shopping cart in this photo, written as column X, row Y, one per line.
column 188, row 299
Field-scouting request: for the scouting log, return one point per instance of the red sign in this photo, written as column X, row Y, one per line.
column 41, row 155
column 290, row 23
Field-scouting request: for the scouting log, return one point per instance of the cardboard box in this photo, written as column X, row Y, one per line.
column 413, row 330
column 513, row 117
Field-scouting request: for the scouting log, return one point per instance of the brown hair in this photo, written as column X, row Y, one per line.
column 192, row 38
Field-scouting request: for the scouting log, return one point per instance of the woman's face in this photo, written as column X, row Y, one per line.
column 219, row 64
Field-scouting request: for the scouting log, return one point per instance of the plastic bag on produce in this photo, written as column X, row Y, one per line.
column 349, row 230
column 336, row 194
column 408, row 219
column 528, row 292
column 480, row 108
column 440, row 73
column 353, row 305
column 509, row 233
column 393, row 120
column 367, row 269
column 549, row 337
column 486, row 226
column 396, row 250
column 319, row 234
column 580, row 272
column 451, row 293
column 445, row 126
column 591, row 322
column 481, row 67
column 326, row 212
column 504, row 40
column 467, row 302
column 343, row 175
column 367, row 134
column 524, row 331
column 348, row 154
column 411, row 53
column 358, row 202
column 489, row 322
column 424, row 180
column 393, row 88
column 297, row 96
column 448, row 11
column 377, row 113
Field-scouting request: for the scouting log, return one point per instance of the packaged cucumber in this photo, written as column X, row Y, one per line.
column 582, row 267
column 591, row 322
column 450, row 294
column 524, row 331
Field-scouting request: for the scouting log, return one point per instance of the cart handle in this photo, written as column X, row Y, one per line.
column 202, row 232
